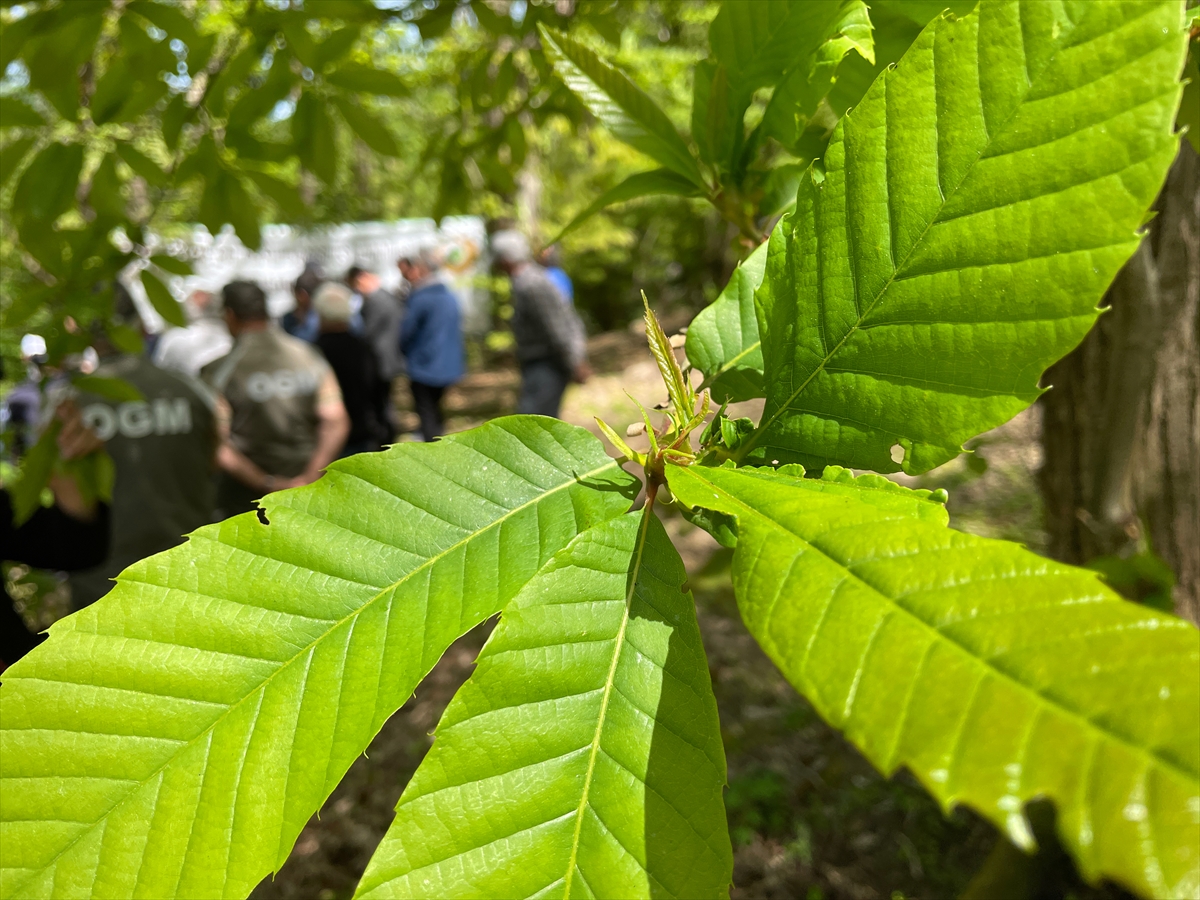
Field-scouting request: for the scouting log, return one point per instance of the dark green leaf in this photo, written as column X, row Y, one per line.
column 722, row 341
column 163, row 300
column 498, row 176
column 356, row 77
column 779, row 188
column 506, row 77
column 203, row 162
column 169, row 18
column 514, row 136
column 142, row 165
column 15, row 114
column 34, row 475
column 247, row 146
column 336, row 45
column 620, row 104
column 110, row 388
column 346, row 10
column 640, row 184
column 758, row 41
column 12, row 155
column 174, row 117
column 299, row 41
column 284, row 195
column 172, row 264
column 230, row 77
column 1189, row 109
column 256, row 103
column 126, row 339
column 105, row 194
column 372, row 131
column 312, row 134
column 56, row 56
column 47, row 187
column 241, row 211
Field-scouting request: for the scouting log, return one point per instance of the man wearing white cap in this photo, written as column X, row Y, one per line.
column 550, row 339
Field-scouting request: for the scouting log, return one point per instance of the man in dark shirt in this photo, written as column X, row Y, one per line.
column 364, row 393
column 431, row 339
column 381, row 314
column 163, row 447
column 551, row 347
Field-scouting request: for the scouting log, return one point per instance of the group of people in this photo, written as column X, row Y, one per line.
column 236, row 406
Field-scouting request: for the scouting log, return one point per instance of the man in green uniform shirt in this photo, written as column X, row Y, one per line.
column 163, row 447
column 286, row 417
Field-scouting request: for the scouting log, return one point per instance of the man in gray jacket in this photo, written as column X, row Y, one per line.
column 551, row 346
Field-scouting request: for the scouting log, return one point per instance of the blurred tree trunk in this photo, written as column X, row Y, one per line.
column 1121, row 429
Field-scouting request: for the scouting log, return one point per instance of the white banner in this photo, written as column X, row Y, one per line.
column 461, row 242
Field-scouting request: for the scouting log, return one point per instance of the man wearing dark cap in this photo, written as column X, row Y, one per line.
column 302, row 322
column 287, row 421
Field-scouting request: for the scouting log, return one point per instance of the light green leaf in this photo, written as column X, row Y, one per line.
column 722, row 341
column 583, row 757
column 372, row 131
column 215, row 697
column 656, row 182
column 620, row 104
column 994, row 675
column 356, row 77
column 241, row 209
column 163, row 300
column 972, row 211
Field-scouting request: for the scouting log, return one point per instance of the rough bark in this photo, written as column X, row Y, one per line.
column 1121, row 428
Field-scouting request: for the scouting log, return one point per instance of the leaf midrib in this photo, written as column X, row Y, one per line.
column 265, row 683
column 609, row 684
column 1150, row 755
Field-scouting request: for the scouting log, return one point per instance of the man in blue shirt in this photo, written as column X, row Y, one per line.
column 303, row 321
column 430, row 339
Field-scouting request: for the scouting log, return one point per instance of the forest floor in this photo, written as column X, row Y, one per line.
column 809, row 817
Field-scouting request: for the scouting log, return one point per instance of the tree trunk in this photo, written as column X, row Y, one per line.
column 1121, row 428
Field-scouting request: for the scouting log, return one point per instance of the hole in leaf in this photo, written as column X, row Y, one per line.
column 897, row 453
column 262, row 515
